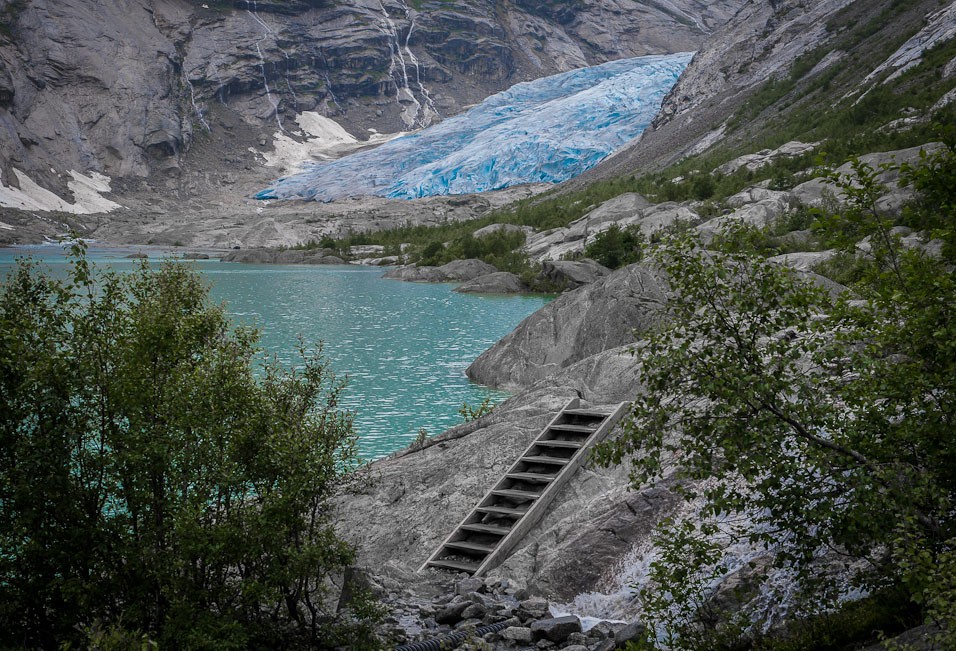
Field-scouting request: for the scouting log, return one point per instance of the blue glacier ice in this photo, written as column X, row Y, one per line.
column 543, row 131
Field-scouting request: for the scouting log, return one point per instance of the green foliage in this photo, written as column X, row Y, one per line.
column 816, row 427
column 490, row 248
column 155, row 489
column 616, row 247
column 469, row 413
column 883, row 614
column 420, row 439
column 934, row 178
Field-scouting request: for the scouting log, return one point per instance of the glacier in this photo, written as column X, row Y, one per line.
column 543, row 131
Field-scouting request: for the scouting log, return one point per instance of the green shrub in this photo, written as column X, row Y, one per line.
column 616, row 247
column 156, row 486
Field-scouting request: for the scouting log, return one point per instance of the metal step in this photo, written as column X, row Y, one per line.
column 486, row 528
column 553, row 461
column 470, row 546
column 460, row 566
column 577, row 429
column 510, row 492
column 531, row 476
column 587, row 413
column 554, row 443
column 501, row 510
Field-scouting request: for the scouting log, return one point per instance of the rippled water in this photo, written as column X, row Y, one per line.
column 403, row 346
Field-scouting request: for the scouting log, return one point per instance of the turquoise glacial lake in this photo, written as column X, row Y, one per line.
column 403, row 347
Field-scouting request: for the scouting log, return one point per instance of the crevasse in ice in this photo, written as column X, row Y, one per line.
column 543, row 131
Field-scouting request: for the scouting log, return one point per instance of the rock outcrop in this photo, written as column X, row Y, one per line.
column 571, row 274
column 454, row 271
column 501, row 282
column 577, row 325
column 272, row 256
column 625, row 210
column 430, row 487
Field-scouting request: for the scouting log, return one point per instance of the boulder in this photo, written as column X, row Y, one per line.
column 551, row 245
column 556, row 629
column 491, row 229
column 474, row 611
column 454, row 271
column 622, row 207
column 289, row 256
column 516, row 634
column 757, row 207
column 452, row 613
column 764, row 157
column 568, row 274
column 250, row 256
column 802, row 261
column 662, row 216
column 533, row 608
column 467, row 586
column 594, row 318
column 633, row 632
column 501, row 282
column 819, row 192
column 461, row 270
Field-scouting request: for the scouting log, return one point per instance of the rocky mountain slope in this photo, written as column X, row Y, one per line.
column 169, row 95
column 777, row 69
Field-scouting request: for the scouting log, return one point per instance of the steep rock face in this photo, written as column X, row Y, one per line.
column 760, row 42
column 125, row 88
column 71, row 106
column 578, row 324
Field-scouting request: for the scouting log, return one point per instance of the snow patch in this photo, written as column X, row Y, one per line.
column 321, row 138
column 86, row 195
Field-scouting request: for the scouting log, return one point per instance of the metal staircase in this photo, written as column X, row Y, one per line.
column 518, row 500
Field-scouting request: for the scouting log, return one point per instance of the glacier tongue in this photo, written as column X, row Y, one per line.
column 543, row 131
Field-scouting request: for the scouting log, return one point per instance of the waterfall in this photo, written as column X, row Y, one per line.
column 414, row 114
column 267, row 31
column 328, row 81
column 192, row 98
column 430, row 111
column 328, row 87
